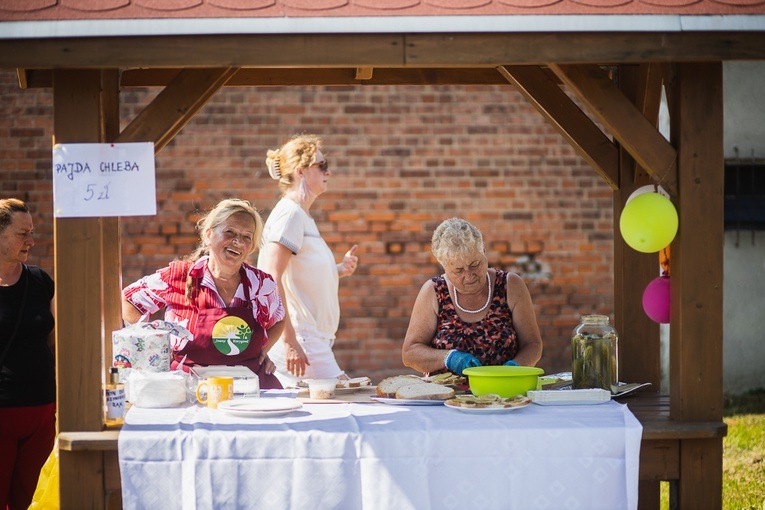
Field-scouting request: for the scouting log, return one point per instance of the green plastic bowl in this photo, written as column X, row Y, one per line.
column 505, row 381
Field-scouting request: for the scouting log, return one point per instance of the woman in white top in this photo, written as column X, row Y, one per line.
column 302, row 264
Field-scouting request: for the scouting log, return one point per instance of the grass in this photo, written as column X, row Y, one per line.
column 743, row 454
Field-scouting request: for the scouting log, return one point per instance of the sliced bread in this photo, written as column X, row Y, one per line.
column 424, row 391
column 358, row 382
column 388, row 386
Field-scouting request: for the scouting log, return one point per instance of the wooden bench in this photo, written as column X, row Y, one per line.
column 659, row 452
column 670, row 448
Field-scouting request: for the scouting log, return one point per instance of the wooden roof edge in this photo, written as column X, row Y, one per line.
column 443, row 50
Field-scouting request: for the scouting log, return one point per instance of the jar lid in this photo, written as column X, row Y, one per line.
column 595, row 318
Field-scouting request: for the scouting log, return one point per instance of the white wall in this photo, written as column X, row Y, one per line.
column 744, row 109
column 744, row 262
column 744, row 312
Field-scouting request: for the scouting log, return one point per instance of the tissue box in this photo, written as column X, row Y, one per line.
column 147, row 345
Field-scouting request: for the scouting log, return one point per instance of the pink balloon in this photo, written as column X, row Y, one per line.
column 656, row 300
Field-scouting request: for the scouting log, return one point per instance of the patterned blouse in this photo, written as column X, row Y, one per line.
column 492, row 340
column 167, row 289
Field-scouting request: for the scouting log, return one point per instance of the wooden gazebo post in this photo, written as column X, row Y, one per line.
column 88, row 263
column 696, row 334
column 640, row 344
column 82, row 248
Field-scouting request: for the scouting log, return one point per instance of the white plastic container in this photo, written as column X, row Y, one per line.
column 321, row 389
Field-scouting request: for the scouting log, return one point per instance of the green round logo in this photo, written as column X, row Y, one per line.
column 231, row 335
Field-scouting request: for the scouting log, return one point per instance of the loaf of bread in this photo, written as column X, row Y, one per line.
column 388, row 386
column 411, row 387
column 425, row 391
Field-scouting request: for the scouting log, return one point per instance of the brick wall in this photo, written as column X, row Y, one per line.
column 402, row 158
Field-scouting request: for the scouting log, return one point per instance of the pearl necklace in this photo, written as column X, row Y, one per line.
column 488, row 299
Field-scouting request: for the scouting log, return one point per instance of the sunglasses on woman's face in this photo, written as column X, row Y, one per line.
column 323, row 166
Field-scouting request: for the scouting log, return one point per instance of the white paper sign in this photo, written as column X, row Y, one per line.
column 104, row 179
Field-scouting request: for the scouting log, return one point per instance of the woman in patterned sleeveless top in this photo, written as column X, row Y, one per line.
column 472, row 315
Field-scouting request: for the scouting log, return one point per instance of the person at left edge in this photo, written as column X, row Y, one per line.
column 232, row 309
column 27, row 364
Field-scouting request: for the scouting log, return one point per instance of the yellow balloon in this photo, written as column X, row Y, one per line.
column 648, row 222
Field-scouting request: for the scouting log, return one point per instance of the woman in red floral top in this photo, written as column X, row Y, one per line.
column 232, row 308
column 472, row 315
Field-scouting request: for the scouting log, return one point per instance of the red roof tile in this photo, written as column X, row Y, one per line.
column 31, row 10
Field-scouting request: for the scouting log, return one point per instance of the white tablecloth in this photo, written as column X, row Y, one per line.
column 377, row 456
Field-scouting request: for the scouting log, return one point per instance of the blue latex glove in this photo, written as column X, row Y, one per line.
column 511, row 363
column 459, row 361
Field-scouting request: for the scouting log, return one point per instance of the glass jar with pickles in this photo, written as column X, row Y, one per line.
column 595, row 354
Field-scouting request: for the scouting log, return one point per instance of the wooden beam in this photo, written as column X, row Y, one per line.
column 495, row 49
column 22, row 76
column 381, row 50
column 306, row 76
column 648, row 94
column 77, row 253
column 364, row 73
column 273, row 50
column 111, row 252
column 81, row 479
column 623, row 120
column 105, row 440
column 640, row 341
column 567, row 118
column 697, row 251
column 700, row 485
column 175, row 106
column 77, row 262
column 648, row 101
column 696, row 290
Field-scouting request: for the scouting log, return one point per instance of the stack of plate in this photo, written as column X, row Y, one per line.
column 569, row 397
column 260, row 407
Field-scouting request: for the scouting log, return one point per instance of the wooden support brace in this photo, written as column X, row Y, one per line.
column 571, row 122
column 175, row 106
column 623, row 120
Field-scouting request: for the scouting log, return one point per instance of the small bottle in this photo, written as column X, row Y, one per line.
column 115, row 399
column 595, row 354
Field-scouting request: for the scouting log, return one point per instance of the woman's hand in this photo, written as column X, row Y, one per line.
column 295, row 357
column 457, row 361
column 264, row 359
column 350, row 261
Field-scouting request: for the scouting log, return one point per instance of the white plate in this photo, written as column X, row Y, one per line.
column 569, row 397
column 407, row 402
column 486, row 410
column 257, row 406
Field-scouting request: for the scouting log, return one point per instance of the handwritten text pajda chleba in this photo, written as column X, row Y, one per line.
column 70, row 169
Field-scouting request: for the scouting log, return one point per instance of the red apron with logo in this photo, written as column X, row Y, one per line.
column 227, row 336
